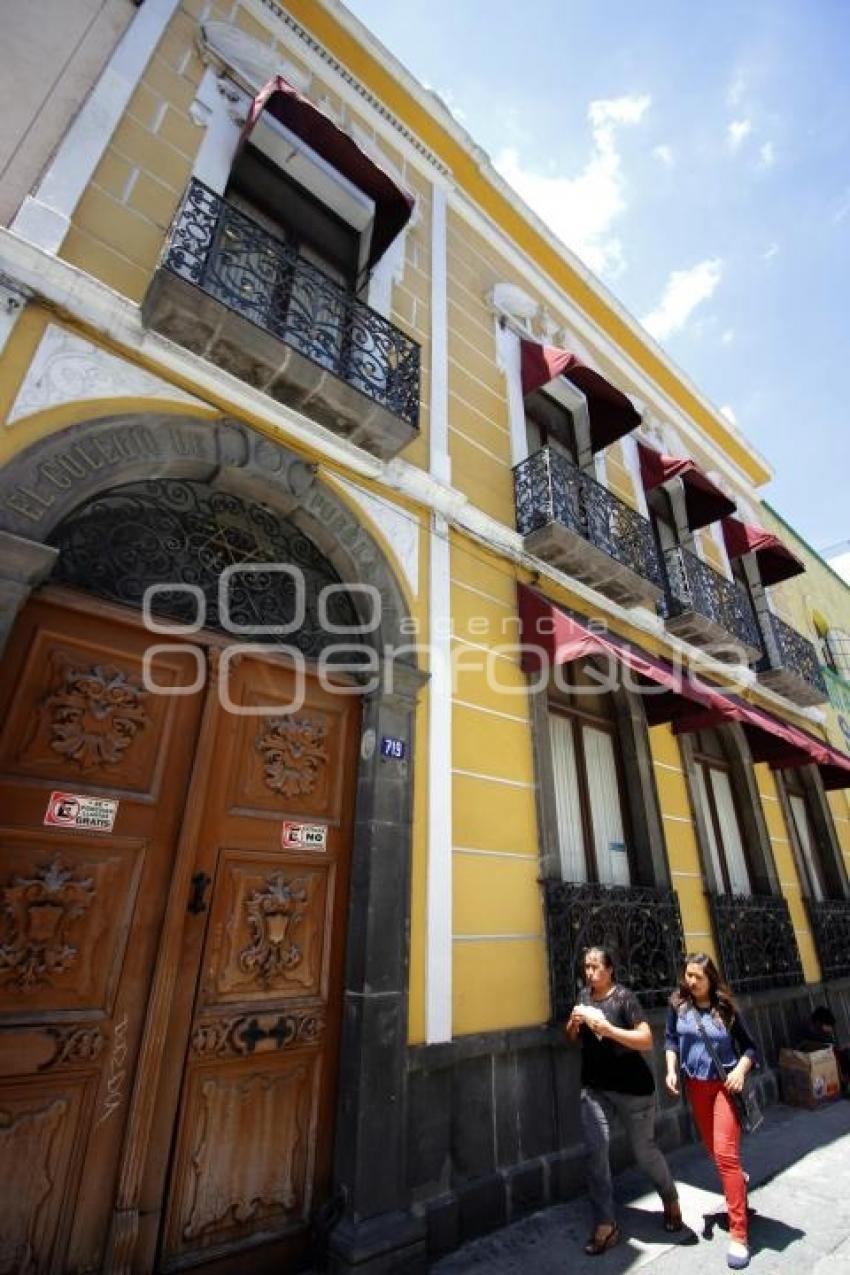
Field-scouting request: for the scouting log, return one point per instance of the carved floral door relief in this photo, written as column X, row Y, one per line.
column 191, row 892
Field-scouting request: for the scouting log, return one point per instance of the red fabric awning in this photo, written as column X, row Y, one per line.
column 393, row 205
column 612, row 414
column 776, row 561
column 782, row 745
column 671, row 694
column 704, row 501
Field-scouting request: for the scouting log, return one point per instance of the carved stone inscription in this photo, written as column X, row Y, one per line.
column 38, row 913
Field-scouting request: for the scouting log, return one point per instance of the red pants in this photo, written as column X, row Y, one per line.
column 719, row 1129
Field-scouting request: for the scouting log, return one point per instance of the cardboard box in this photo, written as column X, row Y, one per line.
column 807, row 1080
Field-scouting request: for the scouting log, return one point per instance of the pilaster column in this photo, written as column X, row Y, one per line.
column 371, row 1169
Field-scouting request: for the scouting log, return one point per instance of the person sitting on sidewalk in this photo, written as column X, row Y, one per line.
column 820, row 1034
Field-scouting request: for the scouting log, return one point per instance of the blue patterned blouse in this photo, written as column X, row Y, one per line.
column 683, row 1036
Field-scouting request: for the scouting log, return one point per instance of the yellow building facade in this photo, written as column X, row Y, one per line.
column 387, row 618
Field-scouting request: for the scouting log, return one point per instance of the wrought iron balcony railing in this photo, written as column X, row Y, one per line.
column 549, row 489
column 642, row 928
column 755, row 936
column 787, row 650
column 263, row 279
column 695, row 586
column 830, row 921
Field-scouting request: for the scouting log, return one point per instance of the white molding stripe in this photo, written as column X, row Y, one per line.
column 491, row 779
column 88, row 301
column 488, row 650
column 492, row 712
column 45, row 216
column 495, row 854
column 677, row 818
column 511, row 608
column 497, row 938
column 438, row 954
column 441, row 466
column 695, row 875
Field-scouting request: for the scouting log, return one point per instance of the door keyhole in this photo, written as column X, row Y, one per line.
column 197, row 899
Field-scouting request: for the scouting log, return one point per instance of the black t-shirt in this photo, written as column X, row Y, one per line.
column 606, row 1064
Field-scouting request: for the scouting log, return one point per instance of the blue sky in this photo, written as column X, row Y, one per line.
column 697, row 157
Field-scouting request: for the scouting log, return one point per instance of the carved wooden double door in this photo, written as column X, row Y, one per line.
column 170, row 985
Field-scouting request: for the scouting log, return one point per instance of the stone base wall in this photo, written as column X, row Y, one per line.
column 493, row 1120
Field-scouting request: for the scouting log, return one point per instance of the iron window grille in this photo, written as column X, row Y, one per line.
column 640, row 925
column 756, row 941
column 830, row 922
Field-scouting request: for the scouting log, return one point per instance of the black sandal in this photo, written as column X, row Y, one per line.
column 596, row 1246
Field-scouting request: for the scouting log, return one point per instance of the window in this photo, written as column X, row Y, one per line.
column 803, row 834
column 715, row 799
column 593, row 837
column 836, row 650
column 289, row 210
column 295, row 275
column 549, row 423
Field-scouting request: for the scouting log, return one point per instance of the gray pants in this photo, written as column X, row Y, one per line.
column 637, row 1114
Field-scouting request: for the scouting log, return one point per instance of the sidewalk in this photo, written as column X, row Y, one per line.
column 799, row 1166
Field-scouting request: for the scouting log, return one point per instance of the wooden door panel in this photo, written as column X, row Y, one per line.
column 40, row 1127
column 83, row 715
column 243, row 1162
column 81, row 911
column 256, row 1109
column 269, row 930
column 68, row 903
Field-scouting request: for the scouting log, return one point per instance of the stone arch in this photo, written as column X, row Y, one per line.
column 49, row 480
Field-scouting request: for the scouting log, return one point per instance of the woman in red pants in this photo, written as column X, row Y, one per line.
column 703, row 1006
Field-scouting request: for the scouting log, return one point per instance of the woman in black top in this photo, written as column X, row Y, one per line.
column 615, row 1079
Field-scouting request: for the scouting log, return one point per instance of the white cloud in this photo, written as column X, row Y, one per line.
column 683, row 292
column 767, row 155
column 727, row 337
column 770, row 251
column 582, row 209
column 664, row 155
column 737, row 131
column 729, row 414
